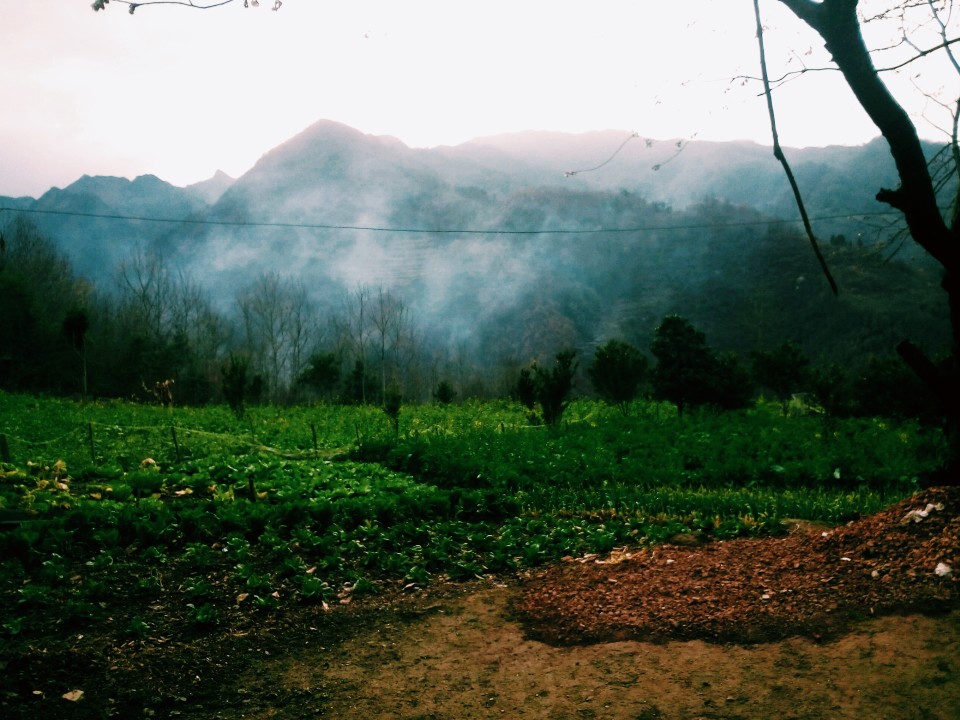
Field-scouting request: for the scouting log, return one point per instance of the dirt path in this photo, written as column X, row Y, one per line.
column 467, row 658
column 531, row 649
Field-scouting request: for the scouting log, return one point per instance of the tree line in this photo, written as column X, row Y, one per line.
column 690, row 374
column 158, row 336
column 157, row 327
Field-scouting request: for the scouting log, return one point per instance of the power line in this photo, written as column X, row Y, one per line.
column 441, row 231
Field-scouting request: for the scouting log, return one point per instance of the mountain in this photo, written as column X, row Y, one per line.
column 836, row 180
column 211, row 189
column 331, row 174
column 99, row 221
column 526, row 242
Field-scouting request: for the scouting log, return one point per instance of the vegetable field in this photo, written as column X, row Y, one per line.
column 125, row 516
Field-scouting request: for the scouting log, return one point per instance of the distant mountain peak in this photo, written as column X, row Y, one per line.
column 211, row 189
column 326, row 137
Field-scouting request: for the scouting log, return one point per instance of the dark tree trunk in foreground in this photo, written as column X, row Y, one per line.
column 837, row 23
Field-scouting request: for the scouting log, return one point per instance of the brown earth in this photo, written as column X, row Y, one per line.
column 853, row 623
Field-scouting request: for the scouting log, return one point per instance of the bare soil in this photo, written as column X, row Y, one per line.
column 851, row 622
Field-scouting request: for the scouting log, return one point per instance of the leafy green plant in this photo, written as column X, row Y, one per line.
column 145, row 482
column 465, row 490
column 204, row 615
column 198, row 589
column 136, row 628
column 198, row 556
column 35, row 595
column 313, row 589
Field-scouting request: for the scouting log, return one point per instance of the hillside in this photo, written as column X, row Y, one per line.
column 494, row 244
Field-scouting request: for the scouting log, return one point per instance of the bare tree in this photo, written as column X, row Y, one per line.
column 146, row 293
column 407, row 351
column 841, row 27
column 384, row 317
column 197, row 325
column 165, row 327
column 278, row 324
column 132, row 6
column 352, row 328
column 396, row 339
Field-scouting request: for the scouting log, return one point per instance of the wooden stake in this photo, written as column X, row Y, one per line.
column 176, row 444
column 93, row 449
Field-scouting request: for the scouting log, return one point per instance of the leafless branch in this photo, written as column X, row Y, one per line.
column 101, row 4
column 793, row 74
column 945, row 45
column 955, row 115
column 778, row 154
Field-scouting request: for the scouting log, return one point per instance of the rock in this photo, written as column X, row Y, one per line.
column 919, row 515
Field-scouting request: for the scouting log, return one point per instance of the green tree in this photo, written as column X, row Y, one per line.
column 732, row 388
column 236, row 385
column 554, row 385
column 354, row 392
column 392, row 402
column 322, row 373
column 548, row 387
column 37, row 291
column 75, row 326
column 685, row 365
column 525, row 391
column 831, row 386
column 617, row 371
column 885, row 387
column 783, row 372
column 689, row 374
column 444, row 393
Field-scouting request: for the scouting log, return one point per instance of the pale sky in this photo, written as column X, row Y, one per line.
column 180, row 93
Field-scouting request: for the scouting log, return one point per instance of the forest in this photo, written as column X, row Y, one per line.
column 750, row 289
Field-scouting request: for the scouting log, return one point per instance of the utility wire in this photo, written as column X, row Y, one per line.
column 441, row 231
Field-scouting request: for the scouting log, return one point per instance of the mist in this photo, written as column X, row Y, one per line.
column 505, row 250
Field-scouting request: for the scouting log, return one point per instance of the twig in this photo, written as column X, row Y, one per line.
column 778, row 154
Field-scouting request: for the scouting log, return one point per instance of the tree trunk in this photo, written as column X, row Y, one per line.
column 837, row 23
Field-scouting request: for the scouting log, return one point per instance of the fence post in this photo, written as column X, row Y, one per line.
column 176, row 444
column 313, row 432
column 93, row 450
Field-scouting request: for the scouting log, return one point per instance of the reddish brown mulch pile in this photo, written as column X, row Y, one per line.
column 753, row 590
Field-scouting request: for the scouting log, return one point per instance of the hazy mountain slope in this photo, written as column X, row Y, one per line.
column 331, row 174
column 494, row 244
column 86, row 219
column 213, row 188
column 834, row 180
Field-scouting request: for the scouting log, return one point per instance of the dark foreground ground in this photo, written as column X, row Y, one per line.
column 851, row 622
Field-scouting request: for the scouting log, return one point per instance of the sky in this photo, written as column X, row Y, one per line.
column 181, row 93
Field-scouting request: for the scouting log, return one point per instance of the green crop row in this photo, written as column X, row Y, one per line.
column 212, row 515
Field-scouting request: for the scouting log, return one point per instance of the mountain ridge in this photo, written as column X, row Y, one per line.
column 515, row 232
